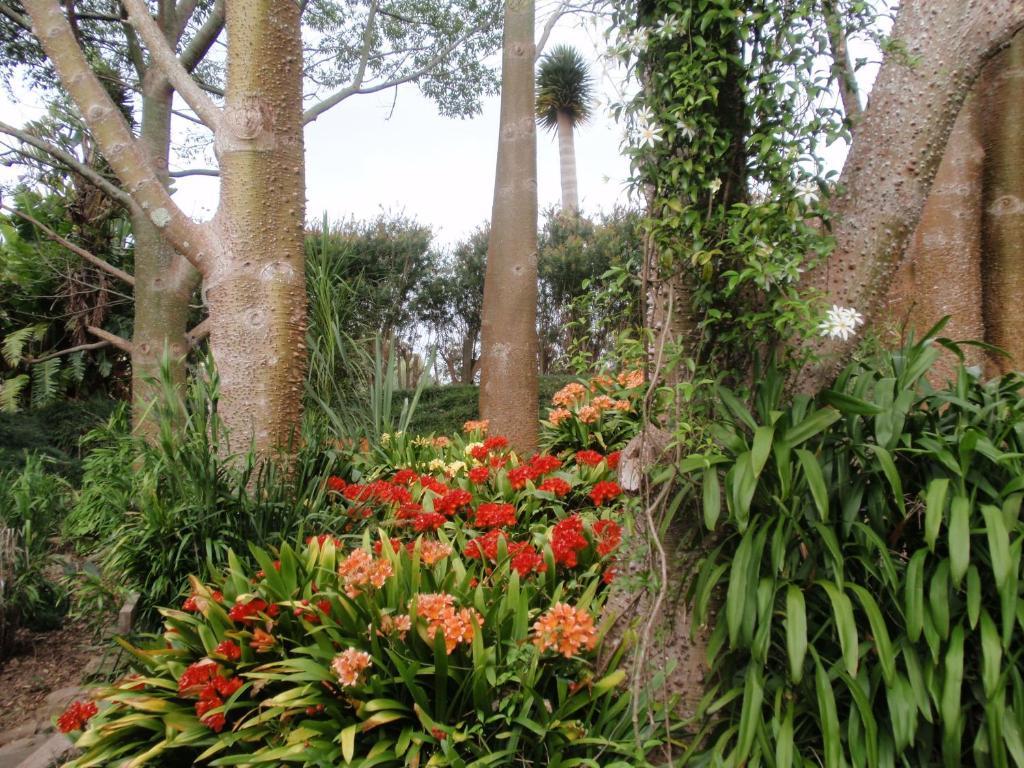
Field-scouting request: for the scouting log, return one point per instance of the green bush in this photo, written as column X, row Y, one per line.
column 866, row 572
column 32, row 503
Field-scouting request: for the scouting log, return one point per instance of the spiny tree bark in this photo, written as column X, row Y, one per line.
column 508, row 380
column 251, row 254
column 898, row 146
column 1002, row 224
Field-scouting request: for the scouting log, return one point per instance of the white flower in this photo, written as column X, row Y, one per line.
column 841, row 322
column 667, row 26
column 644, row 116
column 649, row 135
column 686, row 130
column 637, row 41
column 807, row 193
column 714, row 186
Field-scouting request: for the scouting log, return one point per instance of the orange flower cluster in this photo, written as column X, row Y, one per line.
column 476, row 426
column 399, row 624
column 350, row 665
column 565, row 629
column 557, row 415
column 570, row 394
column 631, row 379
column 360, row 569
column 439, row 611
column 431, row 551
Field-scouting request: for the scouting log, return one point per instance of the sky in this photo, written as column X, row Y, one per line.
column 386, row 153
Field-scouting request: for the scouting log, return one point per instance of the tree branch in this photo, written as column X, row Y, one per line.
column 68, row 351
column 353, row 89
column 182, row 15
column 207, row 35
column 163, row 56
column 21, row 20
column 85, row 255
column 111, row 338
column 842, row 64
column 111, row 190
column 549, row 25
column 128, row 159
column 198, row 333
column 194, row 172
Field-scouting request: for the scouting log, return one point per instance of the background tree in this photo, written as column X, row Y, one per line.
column 508, row 378
column 564, row 102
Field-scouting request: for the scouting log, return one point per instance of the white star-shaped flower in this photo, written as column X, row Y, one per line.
column 841, row 323
column 649, row 135
column 686, row 130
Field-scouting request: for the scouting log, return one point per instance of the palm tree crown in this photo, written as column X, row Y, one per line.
column 563, row 86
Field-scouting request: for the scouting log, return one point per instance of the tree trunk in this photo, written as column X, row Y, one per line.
column 163, row 280
column 941, row 274
column 508, row 384
column 255, row 289
column 1002, row 92
column 898, row 147
column 468, row 347
column 567, row 164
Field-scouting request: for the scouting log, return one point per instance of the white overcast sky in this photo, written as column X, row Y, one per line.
column 394, row 152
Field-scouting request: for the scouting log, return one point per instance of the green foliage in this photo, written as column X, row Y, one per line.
column 564, row 87
column 53, row 431
column 32, row 503
column 163, row 510
column 866, row 571
column 725, row 138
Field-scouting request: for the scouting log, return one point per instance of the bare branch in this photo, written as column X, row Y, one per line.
column 163, row 56
column 182, row 14
column 85, row 255
column 134, row 50
column 68, row 351
column 549, row 25
column 111, row 190
column 128, row 159
column 111, row 338
column 842, row 65
column 194, row 172
column 200, row 45
column 354, row 88
column 198, row 333
column 20, row 19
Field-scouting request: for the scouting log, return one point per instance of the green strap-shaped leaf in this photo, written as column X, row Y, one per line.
column 711, row 493
column 815, row 481
column 950, row 708
column 796, row 632
column 828, row 715
column 879, row 631
column 842, row 608
column 935, row 508
column 998, row 543
column 959, row 538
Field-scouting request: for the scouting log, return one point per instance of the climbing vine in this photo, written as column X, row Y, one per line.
column 736, row 102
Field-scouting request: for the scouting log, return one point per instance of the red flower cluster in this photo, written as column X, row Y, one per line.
column 428, row 521
column 405, row 477
column 76, row 716
column 609, row 536
column 247, row 612
column 212, row 696
column 228, row 650
column 555, row 485
column 567, row 540
column 493, row 515
column 613, row 459
column 336, row 484
column 603, row 491
column 194, row 602
column 535, row 468
column 479, row 475
column 589, row 458
column 522, row 555
column 322, row 539
column 451, row 501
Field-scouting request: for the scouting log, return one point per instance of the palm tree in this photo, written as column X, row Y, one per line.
column 564, row 100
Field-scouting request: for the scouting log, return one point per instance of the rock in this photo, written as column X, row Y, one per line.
column 53, row 751
column 19, row 732
column 57, row 701
column 14, row 753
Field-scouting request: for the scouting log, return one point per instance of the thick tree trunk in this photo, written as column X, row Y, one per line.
column 508, row 384
column 256, row 288
column 567, row 164
column 1002, row 93
column 898, row 147
column 941, row 274
column 468, row 360
column 163, row 280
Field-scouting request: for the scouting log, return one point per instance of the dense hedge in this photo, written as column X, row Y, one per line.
column 53, row 431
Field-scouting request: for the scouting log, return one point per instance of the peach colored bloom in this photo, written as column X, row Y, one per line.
column 565, row 629
column 631, row 379
column 622, row 405
column 601, row 382
column 350, row 665
column 360, row 569
column 431, row 551
column 588, row 414
column 399, row 624
column 557, row 415
column 476, row 426
column 441, row 442
column 602, row 402
column 262, row 641
column 569, row 394
column 455, row 625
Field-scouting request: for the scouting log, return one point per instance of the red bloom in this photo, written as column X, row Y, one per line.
column 518, row 476
column 409, row 511
column 449, row 503
column 478, row 475
column 609, row 536
column 590, row 458
column 555, row 485
column 76, row 716
column 214, row 722
column 396, row 545
column 478, row 452
column 433, row 484
column 567, row 541
column 246, row 612
column 190, row 604
column 613, row 459
column 527, row 560
column 485, row 547
column 496, row 443
column 226, row 686
column 336, row 484
column 493, row 515
column 497, row 462
column 196, row 677
column 228, row 650
column 322, row 539
column 544, row 463
column 606, row 490
column 609, row 575
column 428, row 521
column 404, row 477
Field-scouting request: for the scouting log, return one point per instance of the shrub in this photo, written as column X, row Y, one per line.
column 866, row 572
column 449, row 619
